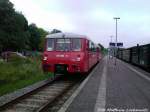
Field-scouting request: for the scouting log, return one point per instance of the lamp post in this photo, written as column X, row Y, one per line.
column 116, row 18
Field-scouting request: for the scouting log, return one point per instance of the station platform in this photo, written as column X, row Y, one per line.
column 112, row 88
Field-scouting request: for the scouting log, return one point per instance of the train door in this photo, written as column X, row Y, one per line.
column 90, row 54
column 87, row 59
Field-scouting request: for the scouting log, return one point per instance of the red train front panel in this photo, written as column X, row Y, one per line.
column 71, row 55
column 64, row 55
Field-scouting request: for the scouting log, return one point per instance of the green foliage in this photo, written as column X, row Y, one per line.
column 103, row 49
column 19, row 72
column 18, row 33
column 101, row 46
column 55, row 31
column 6, row 14
column 6, row 11
column 34, row 39
column 37, row 37
column 13, row 28
column 43, row 33
column 15, row 34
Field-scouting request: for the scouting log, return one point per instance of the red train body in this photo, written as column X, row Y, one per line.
column 71, row 53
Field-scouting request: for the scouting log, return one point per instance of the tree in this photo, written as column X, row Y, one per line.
column 18, row 32
column 103, row 49
column 6, row 12
column 37, row 37
column 43, row 34
column 55, row 31
column 34, row 39
column 101, row 46
column 13, row 28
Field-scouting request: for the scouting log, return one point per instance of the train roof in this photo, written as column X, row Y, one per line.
column 66, row 35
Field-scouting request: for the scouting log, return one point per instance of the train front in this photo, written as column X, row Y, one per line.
column 63, row 55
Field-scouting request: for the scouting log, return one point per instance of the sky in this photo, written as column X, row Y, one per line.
column 93, row 18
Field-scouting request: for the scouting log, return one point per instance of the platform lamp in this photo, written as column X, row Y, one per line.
column 116, row 19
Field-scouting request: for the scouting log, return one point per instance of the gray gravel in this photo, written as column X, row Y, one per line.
column 11, row 96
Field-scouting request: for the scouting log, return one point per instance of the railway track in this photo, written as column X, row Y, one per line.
column 39, row 99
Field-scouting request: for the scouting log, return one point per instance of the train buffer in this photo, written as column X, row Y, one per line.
column 112, row 88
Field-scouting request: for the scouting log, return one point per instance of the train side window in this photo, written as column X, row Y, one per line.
column 76, row 44
column 50, row 44
column 90, row 46
column 94, row 48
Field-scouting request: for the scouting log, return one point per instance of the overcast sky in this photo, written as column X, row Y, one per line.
column 93, row 18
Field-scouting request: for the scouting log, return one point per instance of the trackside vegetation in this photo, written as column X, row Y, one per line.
column 104, row 50
column 20, row 72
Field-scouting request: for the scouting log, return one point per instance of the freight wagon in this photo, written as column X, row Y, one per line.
column 138, row 55
column 126, row 55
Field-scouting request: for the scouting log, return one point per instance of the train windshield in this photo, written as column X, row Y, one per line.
column 50, row 44
column 63, row 44
column 76, row 44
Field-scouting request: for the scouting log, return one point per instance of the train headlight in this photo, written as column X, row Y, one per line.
column 45, row 58
column 78, row 59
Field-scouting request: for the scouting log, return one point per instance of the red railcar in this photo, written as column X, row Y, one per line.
column 69, row 53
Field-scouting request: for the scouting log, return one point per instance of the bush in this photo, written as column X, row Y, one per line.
column 20, row 72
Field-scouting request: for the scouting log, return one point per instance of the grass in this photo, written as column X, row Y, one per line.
column 20, row 72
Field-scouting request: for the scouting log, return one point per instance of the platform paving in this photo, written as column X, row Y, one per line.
column 113, row 88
